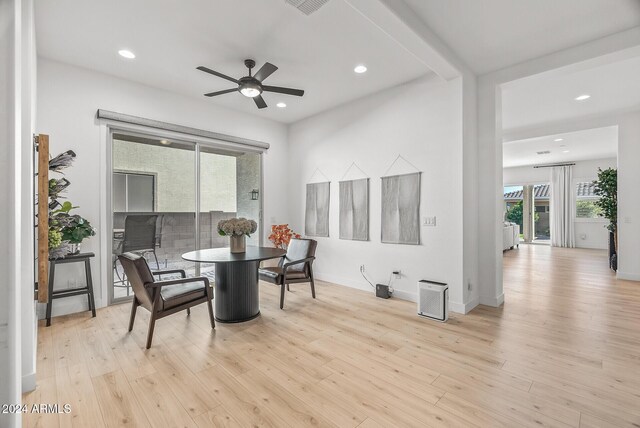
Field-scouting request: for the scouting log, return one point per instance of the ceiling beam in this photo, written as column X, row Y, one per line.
column 566, row 126
column 401, row 24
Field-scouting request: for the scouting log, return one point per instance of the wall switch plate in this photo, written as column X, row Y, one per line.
column 429, row 221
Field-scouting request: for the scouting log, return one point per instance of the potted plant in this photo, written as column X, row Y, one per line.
column 606, row 187
column 237, row 229
column 72, row 228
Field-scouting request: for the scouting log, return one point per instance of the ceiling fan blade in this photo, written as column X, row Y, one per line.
column 215, row 73
column 265, row 71
column 260, row 101
column 288, row 91
column 226, row 91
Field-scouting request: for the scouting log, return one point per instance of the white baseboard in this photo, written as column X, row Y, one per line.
column 29, row 382
column 628, row 276
column 69, row 305
column 463, row 308
column 347, row 282
column 492, row 301
column 405, row 295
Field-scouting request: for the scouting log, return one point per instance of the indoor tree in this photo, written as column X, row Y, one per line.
column 606, row 187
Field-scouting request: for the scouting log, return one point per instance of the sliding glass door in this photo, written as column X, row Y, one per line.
column 528, row 207
column 158, row 186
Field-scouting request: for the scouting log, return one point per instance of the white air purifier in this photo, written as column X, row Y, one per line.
column 433, row 300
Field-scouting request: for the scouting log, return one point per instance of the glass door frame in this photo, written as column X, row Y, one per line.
column 197, row 142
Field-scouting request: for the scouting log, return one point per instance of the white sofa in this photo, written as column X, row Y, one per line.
column 510, row 236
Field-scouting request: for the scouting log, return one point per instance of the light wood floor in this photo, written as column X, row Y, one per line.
column 563, row 351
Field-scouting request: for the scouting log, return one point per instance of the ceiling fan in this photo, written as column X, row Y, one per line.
column 251, row 86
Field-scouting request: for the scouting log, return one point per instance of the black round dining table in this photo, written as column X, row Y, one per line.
column 236, row 295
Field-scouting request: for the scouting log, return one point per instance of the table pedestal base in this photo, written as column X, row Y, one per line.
column 236, row 297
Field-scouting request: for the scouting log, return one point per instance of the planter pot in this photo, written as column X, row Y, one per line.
column 613, row 253
column 74, row 249
column 238, row 243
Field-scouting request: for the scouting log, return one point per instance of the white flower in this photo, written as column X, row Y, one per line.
column 237, row 226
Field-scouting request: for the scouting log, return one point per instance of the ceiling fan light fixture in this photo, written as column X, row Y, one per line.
column 250, row 88
column 250, row 92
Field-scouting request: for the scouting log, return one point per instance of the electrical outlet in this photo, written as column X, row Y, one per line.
column 397, row 273
column 583, row 236
column 361, row 268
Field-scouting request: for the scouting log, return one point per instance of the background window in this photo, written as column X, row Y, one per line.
column 133, row 192
column 586, row 201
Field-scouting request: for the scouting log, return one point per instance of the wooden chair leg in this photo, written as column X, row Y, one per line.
column 313, row 285
column 282, row 287
column 288, row 287
column 152, row 324
column 211, row 318
column 134, row 307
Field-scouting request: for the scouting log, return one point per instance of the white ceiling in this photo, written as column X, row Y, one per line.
column 316, row 53
column 547, row 98
column 598, row 143
column 492, row 34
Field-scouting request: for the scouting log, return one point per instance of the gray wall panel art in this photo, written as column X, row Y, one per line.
column 316, row 216
column 354, row 209
column 400, row 221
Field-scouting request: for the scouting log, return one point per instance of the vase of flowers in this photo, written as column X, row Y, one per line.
column 237, row 229
column 281, row 235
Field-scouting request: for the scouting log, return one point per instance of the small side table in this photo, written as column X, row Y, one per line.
column 88, row 289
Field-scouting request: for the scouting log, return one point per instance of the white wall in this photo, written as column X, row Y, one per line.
column 629, row 196
column 9, row 218
column 68, row 98
column 582, row 171
column 421, row 121
column 17, row 320
column 27, row 304
column 589, row 232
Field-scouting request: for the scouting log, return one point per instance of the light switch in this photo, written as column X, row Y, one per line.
column 429, row 221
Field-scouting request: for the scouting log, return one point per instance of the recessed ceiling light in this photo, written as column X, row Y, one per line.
column 558, row 139
column 126, row 54
column 583, row 97
column 565, row 151
column 281, row 105
column 165, row 142
column 360, row 69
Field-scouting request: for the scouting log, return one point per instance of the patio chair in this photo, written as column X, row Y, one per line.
column 139, row 238
column 294, row 267
column 163, row 298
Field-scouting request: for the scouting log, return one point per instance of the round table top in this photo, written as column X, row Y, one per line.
column 224, row 255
